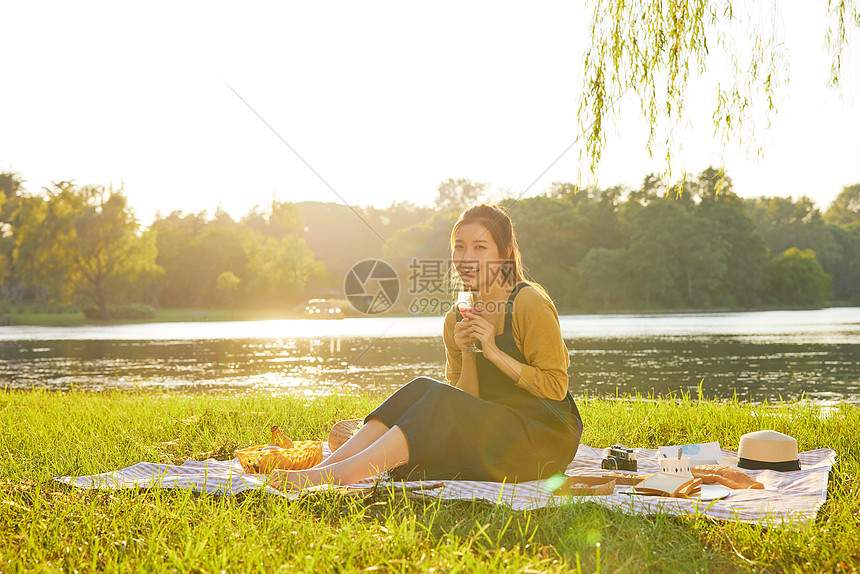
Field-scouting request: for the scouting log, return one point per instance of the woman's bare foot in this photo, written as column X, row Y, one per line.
column 388, row 451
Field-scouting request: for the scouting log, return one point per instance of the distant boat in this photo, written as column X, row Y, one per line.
column 322, row 309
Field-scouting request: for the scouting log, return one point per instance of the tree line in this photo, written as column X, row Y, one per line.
column 694, row 245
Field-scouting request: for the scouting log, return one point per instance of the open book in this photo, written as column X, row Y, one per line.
column 672, row 485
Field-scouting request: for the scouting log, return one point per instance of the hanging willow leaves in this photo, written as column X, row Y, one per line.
column 655, row 47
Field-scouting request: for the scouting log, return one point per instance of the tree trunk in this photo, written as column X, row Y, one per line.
column 689, row 287
column 101, row 303
column 104, row 311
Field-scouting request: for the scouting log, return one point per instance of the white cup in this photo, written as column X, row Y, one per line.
column 680, row 466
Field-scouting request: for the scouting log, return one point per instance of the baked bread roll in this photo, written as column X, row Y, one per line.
column 726, row 475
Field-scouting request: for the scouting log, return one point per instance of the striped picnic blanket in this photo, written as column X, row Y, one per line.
column 787, row 497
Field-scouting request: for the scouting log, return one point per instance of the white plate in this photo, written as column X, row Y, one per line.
column 707, row 492
column 712, row 492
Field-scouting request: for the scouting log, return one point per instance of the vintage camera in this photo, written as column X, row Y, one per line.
column 619, row 458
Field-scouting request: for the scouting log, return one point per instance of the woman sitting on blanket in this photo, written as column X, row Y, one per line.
column 504, row 414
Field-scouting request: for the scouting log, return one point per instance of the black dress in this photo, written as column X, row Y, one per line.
column 506, row 434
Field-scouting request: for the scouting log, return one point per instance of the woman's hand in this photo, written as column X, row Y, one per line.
column 475, row 325
column 463, row 335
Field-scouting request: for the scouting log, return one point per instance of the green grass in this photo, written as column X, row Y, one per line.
column 47, row 527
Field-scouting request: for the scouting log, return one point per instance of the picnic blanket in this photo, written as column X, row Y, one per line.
column 788, row 497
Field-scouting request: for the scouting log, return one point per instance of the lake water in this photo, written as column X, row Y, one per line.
column 755, row 355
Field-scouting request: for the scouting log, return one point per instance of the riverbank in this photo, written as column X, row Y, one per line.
column 183, row 315
column 186, row 315
column 46, row 527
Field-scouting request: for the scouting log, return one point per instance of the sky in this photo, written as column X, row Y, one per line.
column 372, row 103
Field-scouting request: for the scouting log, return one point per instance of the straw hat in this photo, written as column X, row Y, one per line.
column 768, row 449
column 342, row 431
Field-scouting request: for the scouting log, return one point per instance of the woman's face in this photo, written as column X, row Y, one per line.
column 476, row 256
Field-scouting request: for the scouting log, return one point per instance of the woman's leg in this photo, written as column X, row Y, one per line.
column 387, row 452
column 368, row 434
column 381, row 419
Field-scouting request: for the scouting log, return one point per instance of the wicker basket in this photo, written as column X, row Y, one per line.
column 342, row 431
column 263, row 459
